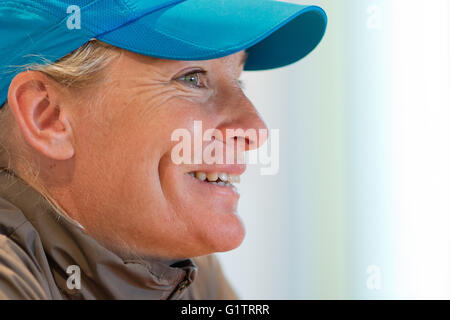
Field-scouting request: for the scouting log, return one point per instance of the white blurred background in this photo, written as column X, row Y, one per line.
column 360, row 207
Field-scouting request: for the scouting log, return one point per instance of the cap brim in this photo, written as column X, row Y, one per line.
column 274, row 33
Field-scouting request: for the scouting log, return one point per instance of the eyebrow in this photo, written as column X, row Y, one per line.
column 244, row 58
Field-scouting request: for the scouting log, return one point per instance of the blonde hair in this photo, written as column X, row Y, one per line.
column 78, row 69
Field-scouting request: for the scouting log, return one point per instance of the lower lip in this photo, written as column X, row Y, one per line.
column 215, row 188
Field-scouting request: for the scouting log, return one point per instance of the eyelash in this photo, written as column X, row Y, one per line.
column 199, row 73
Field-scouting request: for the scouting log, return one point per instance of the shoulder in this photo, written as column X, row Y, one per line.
column 18, row 273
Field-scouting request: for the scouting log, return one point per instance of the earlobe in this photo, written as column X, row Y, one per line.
column 35, row 101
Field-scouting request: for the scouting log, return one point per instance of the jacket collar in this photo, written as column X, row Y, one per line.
column 103, row 273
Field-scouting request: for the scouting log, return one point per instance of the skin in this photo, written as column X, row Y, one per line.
column 105, row 152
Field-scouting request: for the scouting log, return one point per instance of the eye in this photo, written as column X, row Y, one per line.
column 193, row 79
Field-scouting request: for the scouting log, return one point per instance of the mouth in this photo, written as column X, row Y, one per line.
column 220, row 179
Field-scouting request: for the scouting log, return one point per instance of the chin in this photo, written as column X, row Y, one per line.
column 227, row 235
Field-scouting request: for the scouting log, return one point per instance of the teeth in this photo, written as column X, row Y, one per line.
column 212, row 176
column 219, row 178
column 201, row 176
column 223, row 176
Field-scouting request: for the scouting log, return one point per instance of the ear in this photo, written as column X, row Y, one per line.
column 35, row 101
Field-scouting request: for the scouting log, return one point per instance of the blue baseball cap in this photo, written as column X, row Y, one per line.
column 273, row 33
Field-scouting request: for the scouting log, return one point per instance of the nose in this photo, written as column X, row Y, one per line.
column 242, row 123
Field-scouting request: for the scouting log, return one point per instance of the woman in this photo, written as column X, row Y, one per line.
column 92, row 203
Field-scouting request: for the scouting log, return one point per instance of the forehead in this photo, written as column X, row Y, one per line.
column 237, row 59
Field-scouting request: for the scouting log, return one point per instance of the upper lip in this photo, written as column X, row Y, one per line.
column 233, row 169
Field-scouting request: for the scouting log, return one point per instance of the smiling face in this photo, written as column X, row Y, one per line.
column 121, row 183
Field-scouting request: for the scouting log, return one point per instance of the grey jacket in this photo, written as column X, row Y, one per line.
column 42, row 253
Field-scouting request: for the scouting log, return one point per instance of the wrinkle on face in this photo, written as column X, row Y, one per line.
column 124, row 147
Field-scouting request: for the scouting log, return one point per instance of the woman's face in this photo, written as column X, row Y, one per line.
column 125, row 188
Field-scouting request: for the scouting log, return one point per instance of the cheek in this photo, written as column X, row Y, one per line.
column 133, row 150
column 119, row 154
